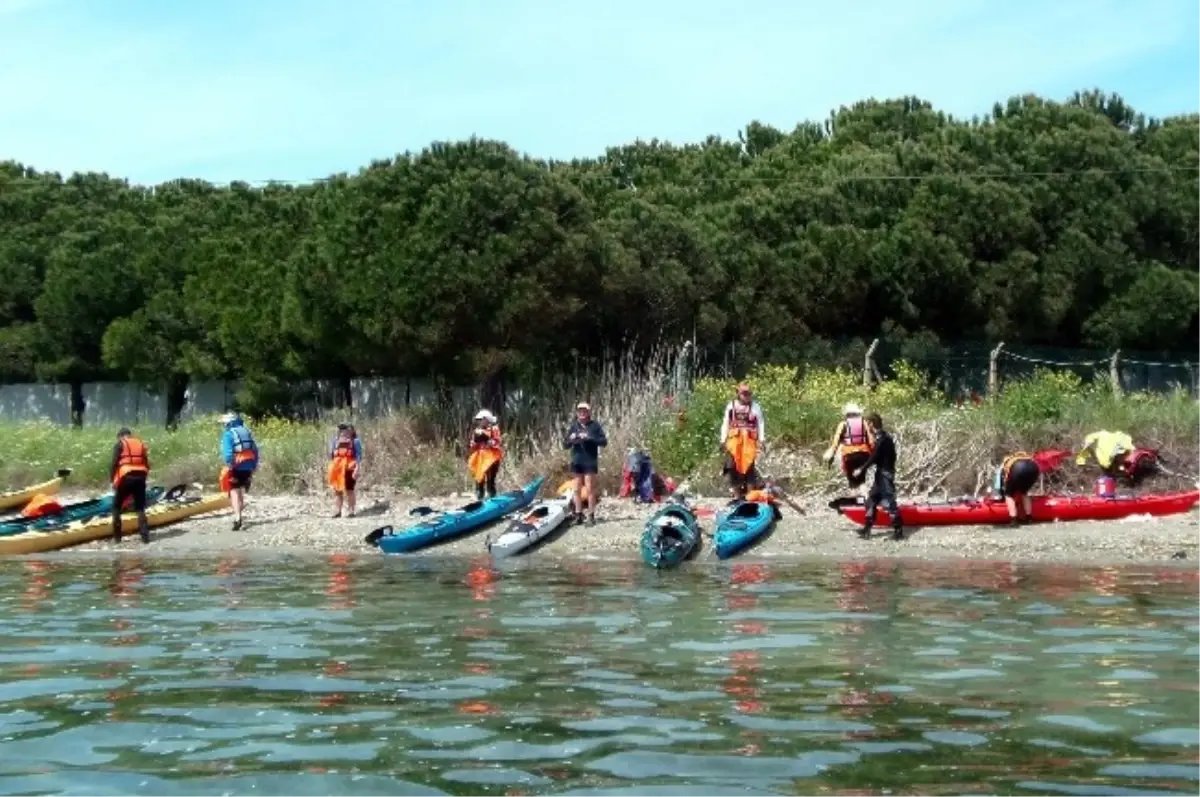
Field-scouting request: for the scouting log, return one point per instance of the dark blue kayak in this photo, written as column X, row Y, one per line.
column 742, row 524
column 670, row 536
column 442, row 526
column 79, row 510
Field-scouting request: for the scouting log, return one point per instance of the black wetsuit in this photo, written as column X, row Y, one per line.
column 883, row 489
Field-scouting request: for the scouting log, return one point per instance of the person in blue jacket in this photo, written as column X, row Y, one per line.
column 239, row 453
column 585, row 437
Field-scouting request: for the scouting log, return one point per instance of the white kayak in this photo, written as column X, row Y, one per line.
column 531, row 525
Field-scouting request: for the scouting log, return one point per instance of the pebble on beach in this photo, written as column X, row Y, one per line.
column 294, row 524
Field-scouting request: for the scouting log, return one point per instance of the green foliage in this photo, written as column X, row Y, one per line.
column 469, row 261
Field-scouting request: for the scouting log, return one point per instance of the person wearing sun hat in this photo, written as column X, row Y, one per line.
column 584, row 439
column 239, row 454
column 855, row 441
column 743, row 435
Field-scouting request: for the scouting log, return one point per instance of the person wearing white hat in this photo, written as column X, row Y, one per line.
column 743, row 438
column 240, row 455
column 855, row 441
column 584, row 439
column 486, row 453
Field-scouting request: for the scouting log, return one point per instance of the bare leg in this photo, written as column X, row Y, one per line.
column 1027, row 501
column 590, row 480
column 237, row 497
column 578, row 497
column 350, row 502
column 337, row 504
column 1012, row 506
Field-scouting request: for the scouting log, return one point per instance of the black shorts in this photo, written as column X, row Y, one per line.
column 852, row 462
column 585, row 468
column 1021, row 477
column 240, row 479
column 750, row 477
column 132, row 485
column 351, row 480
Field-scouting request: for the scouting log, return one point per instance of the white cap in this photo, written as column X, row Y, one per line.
column 485, row 415
column 850, row 408
column 583, row 405
column 229, row 417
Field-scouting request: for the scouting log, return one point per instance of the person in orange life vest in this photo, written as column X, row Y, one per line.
column 240, row 455
column 345, row 468
column 129, row 470
column 1015, row 477
column 854, row 441
column 486, row 453
column 743, row 437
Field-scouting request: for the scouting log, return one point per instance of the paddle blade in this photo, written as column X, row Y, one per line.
column 1050, row 459
column 62, row 473
column 420, row 511
column 373, row 538
column 175, row 493
column 838, row 504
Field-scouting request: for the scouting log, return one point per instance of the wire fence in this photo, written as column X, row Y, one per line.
column 965, row 369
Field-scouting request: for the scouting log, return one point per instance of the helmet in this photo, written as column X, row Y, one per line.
column 850, row 408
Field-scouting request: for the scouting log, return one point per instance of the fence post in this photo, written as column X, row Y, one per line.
column 869, row 364
column 1114, row 372
column 994, row 369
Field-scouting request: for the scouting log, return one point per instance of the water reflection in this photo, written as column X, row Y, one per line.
column 131, row 675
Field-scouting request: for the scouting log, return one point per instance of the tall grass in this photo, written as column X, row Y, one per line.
column 943, row 448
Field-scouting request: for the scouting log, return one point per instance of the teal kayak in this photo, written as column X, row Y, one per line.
column 79, row 510
column 741, row 525
column 670, row 535
column 441, row 526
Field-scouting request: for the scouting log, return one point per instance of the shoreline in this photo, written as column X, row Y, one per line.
column 302, row 525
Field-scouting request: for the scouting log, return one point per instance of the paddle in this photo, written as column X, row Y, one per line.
column 421, row 511
column 175, row 493
column 63, row 473
column 787, row 499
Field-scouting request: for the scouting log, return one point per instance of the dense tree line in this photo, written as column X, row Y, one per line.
column 1052, row 223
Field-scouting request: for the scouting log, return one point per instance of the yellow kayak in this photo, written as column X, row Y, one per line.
column 19, row 498
column 77, row 533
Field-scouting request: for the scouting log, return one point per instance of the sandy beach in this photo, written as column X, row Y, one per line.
column 296, row 524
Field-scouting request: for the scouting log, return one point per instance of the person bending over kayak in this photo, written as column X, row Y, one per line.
column 486, row 453
column 129, row 471
column 1014, row 479
column 1109, row 449
column 853, row 440
column 585, row 437
column 743, row 433
column 883, row 489
column 345, row 468
column 239, row 453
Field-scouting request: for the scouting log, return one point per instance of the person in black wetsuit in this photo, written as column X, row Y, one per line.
column 883, row 489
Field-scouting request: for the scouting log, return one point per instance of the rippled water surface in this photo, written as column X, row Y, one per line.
column 390, row 676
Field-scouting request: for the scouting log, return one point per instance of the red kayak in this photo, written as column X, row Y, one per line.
column 1046, row 508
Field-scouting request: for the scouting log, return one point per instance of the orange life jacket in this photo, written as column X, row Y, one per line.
column 1009, row 461
column 133, row 459
column 741, row 418
column 343, row 449
column 760, row 496
column 492, row 441
column 854, row 437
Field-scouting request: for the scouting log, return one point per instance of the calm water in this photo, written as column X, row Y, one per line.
column 363, row 675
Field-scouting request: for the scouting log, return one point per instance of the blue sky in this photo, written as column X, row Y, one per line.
column 298, row 89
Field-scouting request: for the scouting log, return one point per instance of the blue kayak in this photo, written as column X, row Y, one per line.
column 742, row 524
column 441, row 526
column 670, row 536
column 77, row 511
